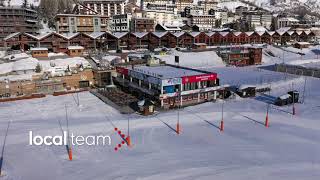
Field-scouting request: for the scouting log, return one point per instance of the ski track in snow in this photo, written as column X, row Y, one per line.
column 245, row 150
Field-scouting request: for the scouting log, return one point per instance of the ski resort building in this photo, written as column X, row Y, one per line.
column 169, row 85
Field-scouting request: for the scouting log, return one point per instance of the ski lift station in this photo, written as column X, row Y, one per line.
column 169, row 86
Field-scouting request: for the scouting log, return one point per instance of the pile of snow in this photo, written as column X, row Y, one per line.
column 28, row 64
column 2, row 54
column 64, row 63
column 53, row 55
column 15, row 57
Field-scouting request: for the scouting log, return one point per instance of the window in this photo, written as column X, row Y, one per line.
column 96, row 22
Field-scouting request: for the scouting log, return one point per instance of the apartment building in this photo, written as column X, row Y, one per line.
column 121, row 23
column 285, row 22
column 182, row 4
column 162, row 17
column 142, row 25
column 207, row 21
column 71, row 23
column 101, row 7
column 17, row 19
column 257, row 18
column 208, row 5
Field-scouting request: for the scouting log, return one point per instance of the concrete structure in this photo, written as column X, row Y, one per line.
column 142, row 25
column 257, row 18
column 121, row 23
column 162, row 17
column 17, row 19
column 101, row 7
column 203, row 20
column 208, row 5
column 72, row 23
column 170, row 86
column 285, row 22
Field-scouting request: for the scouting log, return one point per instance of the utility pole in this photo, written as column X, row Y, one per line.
column 69, row 149
column 304, row 89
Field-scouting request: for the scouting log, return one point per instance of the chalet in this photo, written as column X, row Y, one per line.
column 138, row 40
column 210, row 41
column 75, row 51
column 301, row 45
column 157, row 39
column 199, row 46
column 39, row 52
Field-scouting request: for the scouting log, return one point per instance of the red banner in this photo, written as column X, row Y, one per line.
column 122, row 70
column 199, row 78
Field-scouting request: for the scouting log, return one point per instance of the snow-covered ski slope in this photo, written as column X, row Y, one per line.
column 288, row 150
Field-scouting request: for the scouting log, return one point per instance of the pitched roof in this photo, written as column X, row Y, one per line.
column 12, row 35
column 223, row 33
column 160, row 34
column 210, row 33
column 178, row 34
column 194, row 34
column 140, row 34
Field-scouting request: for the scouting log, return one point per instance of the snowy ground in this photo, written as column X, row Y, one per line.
column 288, row 150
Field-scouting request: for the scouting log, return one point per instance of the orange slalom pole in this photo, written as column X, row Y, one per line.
column 267, row 121
column 221, row 126
column 178, row 128
column 70, row 154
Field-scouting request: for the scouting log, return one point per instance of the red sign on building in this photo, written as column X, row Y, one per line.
column 199, row 78
column 122, row 70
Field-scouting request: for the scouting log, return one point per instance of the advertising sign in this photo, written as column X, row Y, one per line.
column 170, row 82
column 199, row 78
column 122, row 70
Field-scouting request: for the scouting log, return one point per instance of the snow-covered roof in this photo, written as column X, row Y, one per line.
column 286, row 96
column 200, row 44
column 271, row 32
column 245, row 86
column 159, row 34
column 210, row 33
column 75, row 47
column 303, row 43
column 194, row 34
column 249, row 33
column 12, row 35
column 140, row 34
column 260, row 32
column 237, row 33
column 119, row 34
column 42, row 36
column 223, row 33
column 290, row 32
column 32, row 36
column 170, row 27
column 39, row 49
column 95, row 35
column 69, row 35
column 166, row 72
column 283, row 30
column 178, row 34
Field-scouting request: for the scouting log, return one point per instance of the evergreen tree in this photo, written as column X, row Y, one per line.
column 25, row 3
column 38, row 68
